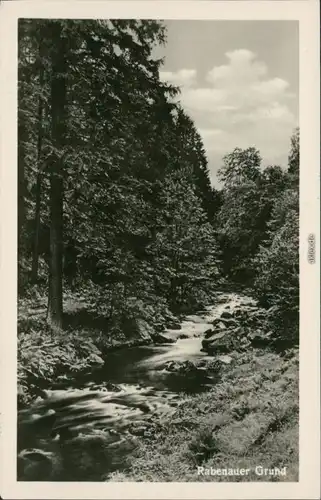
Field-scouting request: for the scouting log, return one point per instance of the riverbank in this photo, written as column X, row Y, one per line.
column 248, row 419
column 47, row 361
column 222, row 395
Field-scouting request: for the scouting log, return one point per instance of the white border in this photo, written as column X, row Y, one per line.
column 307, row 12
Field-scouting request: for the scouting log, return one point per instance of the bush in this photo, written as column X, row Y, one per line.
column 277, row 264
column 42, row 359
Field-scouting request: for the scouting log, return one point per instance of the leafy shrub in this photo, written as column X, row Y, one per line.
column 277, row 264
column 42, row 358
column 203, row 446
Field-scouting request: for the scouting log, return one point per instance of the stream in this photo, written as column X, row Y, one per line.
column 134, row 387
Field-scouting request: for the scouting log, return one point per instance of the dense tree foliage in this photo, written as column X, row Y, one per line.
column 258, row 228
column 114, row 190
column 249, row 195
column 277, row 262
column 115, row 203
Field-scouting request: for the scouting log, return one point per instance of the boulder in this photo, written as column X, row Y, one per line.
column 225, row 321
column 228, row 322
column 143, row 329
column 226, row 360
column 226, row 314
column 182, row 367
column 138, row 430
column 218, row 343
column 209, row 366
column 259, row 338
column 219, row 324
column 173, row 325
column 171, row 366
column 95, row 360
column 159, row 338
column 208, row 333
column 183, row 336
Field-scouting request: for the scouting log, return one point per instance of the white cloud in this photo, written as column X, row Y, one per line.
column 242, row 64
column 239, row 105
column 184, row 77
column 204, row 99
column 208, row 133
column 240, row 85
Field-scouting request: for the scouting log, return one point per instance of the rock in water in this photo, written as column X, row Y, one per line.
column 224, row 321
column 95, row 360
column 143, row 329
column 158, row 338
column 226, row 314
column 218, row 343
column 172, row 325
column 183, row 336
column 208, row 333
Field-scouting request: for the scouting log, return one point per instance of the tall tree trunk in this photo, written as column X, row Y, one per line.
column 58, row 116
column 35, row 250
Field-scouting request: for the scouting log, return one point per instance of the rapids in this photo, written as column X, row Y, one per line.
column 133, row 387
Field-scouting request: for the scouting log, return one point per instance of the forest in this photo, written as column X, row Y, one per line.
column 120, row 231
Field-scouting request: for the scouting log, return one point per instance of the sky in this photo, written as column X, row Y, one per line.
column 239, row 82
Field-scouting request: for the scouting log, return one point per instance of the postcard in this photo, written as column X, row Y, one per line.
column 160, row 249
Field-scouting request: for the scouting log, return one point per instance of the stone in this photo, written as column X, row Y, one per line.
column 144, row 329
column 187, row 367
column 174, row 326
column 218, row 343
column 226, row 360
column 95, row 360
column 184, row 368
column 259, row 338
column 138, row 430
column 171, row 366
column 159, row 338
column 226, row 314
column 208, row 333
column 183, row 336
column 225, row 321
column 221, row 325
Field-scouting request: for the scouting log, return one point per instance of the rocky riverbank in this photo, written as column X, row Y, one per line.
column 248, row 419
column 242, row 412
column 47, row 361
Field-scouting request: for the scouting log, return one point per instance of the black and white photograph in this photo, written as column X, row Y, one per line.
column 158, row 174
